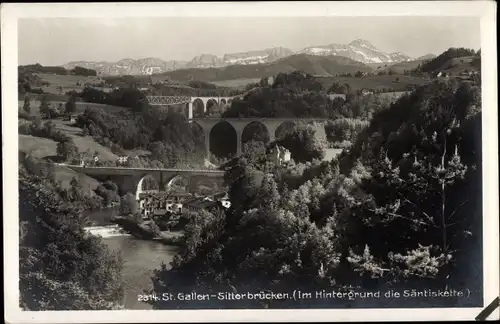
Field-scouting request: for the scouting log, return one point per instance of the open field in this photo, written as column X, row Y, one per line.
column 376, row 82
column 459, row 64
column 400, row 67
column 330, row 153
column 65, row 175
column 45, row 148
column 236, row 83
column 392, row 96
column 67, row 82
column 37, row 146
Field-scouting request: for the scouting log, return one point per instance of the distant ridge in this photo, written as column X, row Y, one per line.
column 311, row 64
column 358, row 50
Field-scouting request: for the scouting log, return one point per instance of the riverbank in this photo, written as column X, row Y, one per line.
column 105, row 222
column 148, row 231
column 170, row 237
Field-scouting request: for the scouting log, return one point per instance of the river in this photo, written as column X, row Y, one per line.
column 141, row 258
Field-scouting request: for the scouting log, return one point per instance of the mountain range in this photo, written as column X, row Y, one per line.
column 358, row 50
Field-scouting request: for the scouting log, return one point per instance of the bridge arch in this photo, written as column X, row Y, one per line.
column 256, row 131
column 284, row 128
column 173, row 183
column 147, row 182
column 211, row 106
column 198, row 108
column 224, row 139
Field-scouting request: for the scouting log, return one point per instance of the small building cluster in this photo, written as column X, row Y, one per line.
column 86, row 161
column 208, row 203
column 156, row 204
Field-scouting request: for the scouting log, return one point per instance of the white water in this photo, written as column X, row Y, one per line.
column 106, row 231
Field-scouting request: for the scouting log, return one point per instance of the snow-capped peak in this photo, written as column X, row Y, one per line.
column 358, row 50
column 362, row 43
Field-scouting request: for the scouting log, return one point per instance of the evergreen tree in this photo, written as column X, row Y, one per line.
column 70, row 106
column 45, row 107
column 26, row 105
column 67, row 150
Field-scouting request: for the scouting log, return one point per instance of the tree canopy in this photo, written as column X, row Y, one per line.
column 401, row 208
column 61, row 266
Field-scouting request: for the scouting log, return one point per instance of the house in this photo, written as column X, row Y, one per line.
column 365, row 91
column 71, row 118
column 442, row 74
column 147, row 205
column 122, row 160
column 280, row 154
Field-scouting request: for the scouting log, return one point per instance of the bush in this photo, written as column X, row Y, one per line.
column 128, row 204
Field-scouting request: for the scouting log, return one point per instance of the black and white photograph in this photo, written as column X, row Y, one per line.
column 249, row 158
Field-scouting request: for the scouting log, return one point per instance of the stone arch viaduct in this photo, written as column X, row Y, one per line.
column 205, row 102
column 130, row 179
column 239, row 124
column 208, row 123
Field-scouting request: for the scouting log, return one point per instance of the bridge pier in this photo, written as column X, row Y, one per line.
column 206, row 131
column 271, row 130
column 190, row 110
column 239, row 144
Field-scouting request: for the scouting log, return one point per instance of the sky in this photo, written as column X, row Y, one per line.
column 57, row 41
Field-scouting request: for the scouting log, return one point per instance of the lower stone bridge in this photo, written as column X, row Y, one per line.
column 129, row 179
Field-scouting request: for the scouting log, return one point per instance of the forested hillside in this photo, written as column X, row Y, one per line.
column 314, row 65
column 401, row 208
